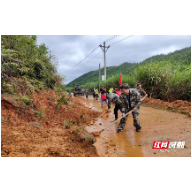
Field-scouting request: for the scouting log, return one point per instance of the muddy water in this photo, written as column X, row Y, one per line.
column 157, row 125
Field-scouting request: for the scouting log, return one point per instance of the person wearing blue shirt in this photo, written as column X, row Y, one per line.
column 127, row 84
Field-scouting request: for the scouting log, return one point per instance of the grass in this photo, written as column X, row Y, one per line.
column 163, row 80
column 67, row 123
column 40, row 114
column 61, row 101
column 26, row 100
column 184, row 112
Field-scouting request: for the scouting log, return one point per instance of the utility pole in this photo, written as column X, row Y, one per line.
column 104, row 49
column 99, row 77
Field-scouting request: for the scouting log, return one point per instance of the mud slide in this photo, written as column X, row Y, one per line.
column 46, row 130
column 157, row 125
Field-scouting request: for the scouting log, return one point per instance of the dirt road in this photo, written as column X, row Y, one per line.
column 62, row 131
column 157, row 125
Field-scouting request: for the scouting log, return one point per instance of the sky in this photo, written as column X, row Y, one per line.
column 70, row 50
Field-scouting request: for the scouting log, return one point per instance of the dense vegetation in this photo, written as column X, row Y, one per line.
column 161, row 80
column 167, row 78
column 182, row 56
column 92, row 76
column 21, row 57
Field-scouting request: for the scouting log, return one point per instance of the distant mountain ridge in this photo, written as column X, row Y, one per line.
column 182, row 56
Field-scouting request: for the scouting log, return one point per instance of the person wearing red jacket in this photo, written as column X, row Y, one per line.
column 118, row 92
column 103, row 98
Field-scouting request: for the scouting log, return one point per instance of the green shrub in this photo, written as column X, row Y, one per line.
column 8, row 88
column 67, row 123
column 164, row 80
column 26, row 100
column 61, row 101
column 161, row 80
column 40, row 114
column 22, row 56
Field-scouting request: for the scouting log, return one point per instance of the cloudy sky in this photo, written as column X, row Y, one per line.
column 72, row 49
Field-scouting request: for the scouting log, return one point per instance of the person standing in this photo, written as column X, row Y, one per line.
column 93, row 91
column 127, row 84
column 100, row 93
column 87, row 93
column 118, row 91
column 140, row 90
column 103, row 98
column 111, row 90
column 113, row 98
column 96, row 94
column 130, row 100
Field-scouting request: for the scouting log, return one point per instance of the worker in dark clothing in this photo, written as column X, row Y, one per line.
column 113, row 98
column 140, row 89
column 93, row 91
column 86, row 92
column 127, row 84
column 130, row 100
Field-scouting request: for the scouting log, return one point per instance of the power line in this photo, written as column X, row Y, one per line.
column 91, row 59
column 112, row 38
column 83, row 59
column 121, row 40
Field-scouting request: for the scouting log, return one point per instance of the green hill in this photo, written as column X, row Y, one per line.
column 180, row 57
column 92, row 76
column 21, row 57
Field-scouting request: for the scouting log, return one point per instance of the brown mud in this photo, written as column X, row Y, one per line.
column 175, row 106
column 61, row 134
column 63, row 128
column 157, row 125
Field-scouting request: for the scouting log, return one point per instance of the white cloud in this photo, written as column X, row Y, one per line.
column 71, row 49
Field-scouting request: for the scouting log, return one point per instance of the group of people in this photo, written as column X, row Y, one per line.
column 86, row 91
column 125, row 99
column 95, row 93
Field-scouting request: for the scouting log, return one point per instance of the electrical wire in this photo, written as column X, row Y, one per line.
column 83, row 59
column 112, row 38
column 121, row 40
column 91, row 58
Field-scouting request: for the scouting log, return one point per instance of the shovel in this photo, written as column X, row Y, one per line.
column 94, row 105
column 103, row 113
column 98, row 133
column 144, row 97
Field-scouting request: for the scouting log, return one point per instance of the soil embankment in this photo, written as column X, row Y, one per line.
column 64, row 130
column 55, row 130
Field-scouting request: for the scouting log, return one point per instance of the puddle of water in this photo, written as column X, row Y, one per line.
column 111, row 143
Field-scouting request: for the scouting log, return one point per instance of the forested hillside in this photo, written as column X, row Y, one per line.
column 180, row 57
column 166, row 77
column 92, row 76
column 22, row 58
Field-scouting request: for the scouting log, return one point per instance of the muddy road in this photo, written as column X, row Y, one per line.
column 157, row 125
